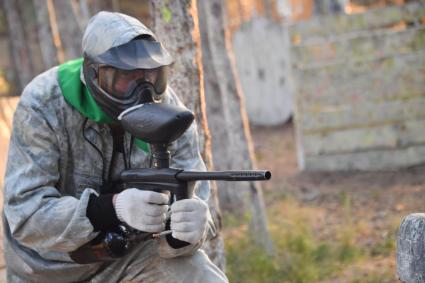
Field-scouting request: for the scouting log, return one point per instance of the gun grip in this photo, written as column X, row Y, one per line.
column 181, row 194
column 185, row 190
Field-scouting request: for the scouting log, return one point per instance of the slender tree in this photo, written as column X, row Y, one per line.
column 232, row 145
column 81, row 11
column 45, row 36
column 69, row 29
column 60, row 26
column 105, row 5
column 268, row 12
column 21, row 55
column 176, row 25
column 327, row 7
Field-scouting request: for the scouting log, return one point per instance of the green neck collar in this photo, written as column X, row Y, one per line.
column 77, row 95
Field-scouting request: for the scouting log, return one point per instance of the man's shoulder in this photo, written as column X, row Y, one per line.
column 43, row 90
column 43, row 97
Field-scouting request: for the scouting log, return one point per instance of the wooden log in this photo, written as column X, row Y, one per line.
column 390, row 136
column 390, row 84
column 411, row 249
column 366, row 160
column 332, row 26
column 360, row 47
column 361, row 115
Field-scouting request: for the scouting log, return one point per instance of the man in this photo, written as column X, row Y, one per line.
column 65, row 156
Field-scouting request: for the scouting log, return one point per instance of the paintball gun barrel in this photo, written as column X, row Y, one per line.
column 251, row 175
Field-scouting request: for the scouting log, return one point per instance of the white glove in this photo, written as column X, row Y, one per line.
column 142, row 210
column 189, row 220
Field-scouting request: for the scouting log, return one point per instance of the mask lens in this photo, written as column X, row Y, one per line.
column 157, row 77
column 118, row 82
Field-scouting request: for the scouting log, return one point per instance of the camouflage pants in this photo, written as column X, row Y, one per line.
column 143, row 264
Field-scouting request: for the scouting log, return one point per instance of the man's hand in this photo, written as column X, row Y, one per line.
column 189, row 220
column 142, row 210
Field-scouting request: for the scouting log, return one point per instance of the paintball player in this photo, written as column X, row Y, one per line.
column 66, row 153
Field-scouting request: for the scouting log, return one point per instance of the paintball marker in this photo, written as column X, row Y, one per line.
column 159, row 125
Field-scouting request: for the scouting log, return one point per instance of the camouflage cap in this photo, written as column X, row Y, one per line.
column 106, row 30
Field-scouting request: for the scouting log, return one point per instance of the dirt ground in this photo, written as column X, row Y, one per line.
column 372, row 204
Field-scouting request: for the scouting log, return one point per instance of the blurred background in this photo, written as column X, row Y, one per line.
column 329, row 95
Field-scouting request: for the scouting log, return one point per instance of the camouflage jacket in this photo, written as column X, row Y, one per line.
column 57, row 158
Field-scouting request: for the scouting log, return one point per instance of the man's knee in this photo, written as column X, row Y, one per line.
column 196, row 268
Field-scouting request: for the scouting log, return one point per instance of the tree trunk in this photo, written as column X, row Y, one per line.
column 105, row 5
column 176, row 25
column 69, row 29
column 45, row 36
column 21, row 55
column 81, row 11
column 232, row 145
column 327, row 7
column 268, row 9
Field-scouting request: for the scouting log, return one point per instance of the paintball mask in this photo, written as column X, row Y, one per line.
column 127, row 75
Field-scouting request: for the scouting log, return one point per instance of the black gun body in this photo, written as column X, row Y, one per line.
column 175, row 180
column 158, row 180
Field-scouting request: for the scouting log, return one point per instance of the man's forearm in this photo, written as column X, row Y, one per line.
column 101, row 212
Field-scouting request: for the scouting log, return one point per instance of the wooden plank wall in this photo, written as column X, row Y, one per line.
column 360, row 89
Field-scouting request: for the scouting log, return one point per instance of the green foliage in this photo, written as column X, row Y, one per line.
column 232, row 220
column 247, row 263
column 347, row 250
column 386, row 247
column 300, row 257
column 345, row 201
